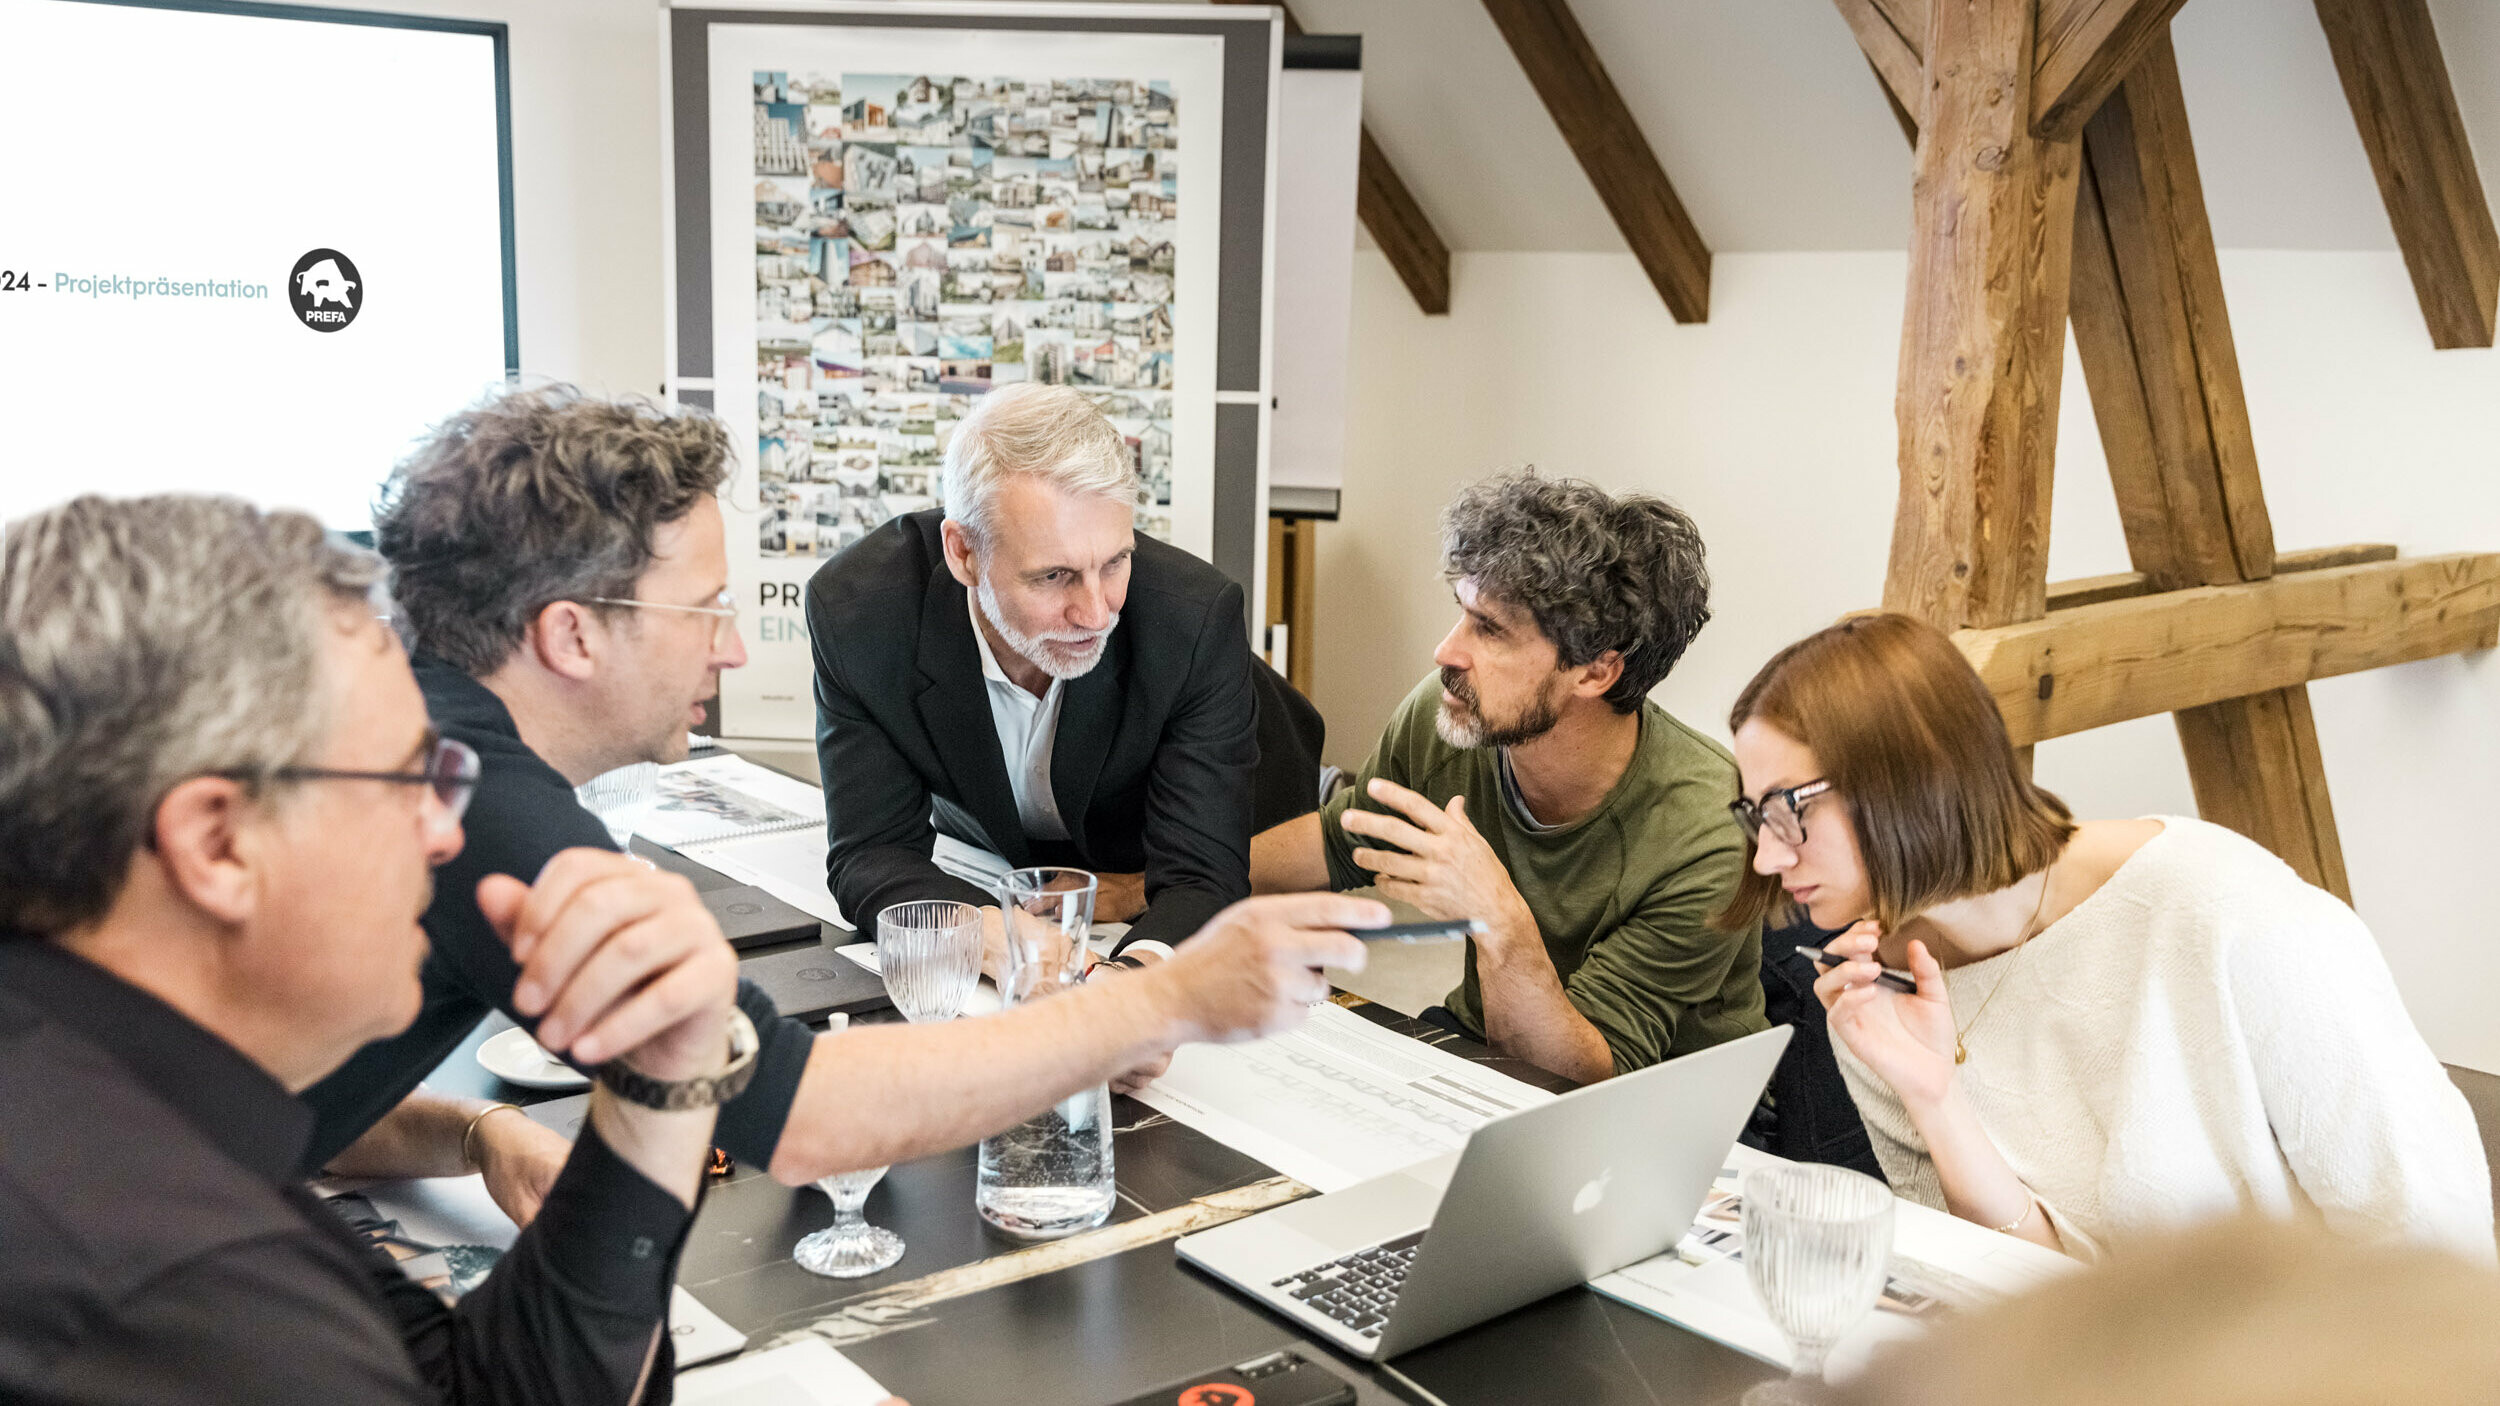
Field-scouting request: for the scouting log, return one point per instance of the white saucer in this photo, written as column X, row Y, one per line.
column 516, row 1058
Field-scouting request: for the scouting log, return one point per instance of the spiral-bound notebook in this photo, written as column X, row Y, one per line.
column 726, row 798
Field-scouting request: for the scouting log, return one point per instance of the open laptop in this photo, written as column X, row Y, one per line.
column 1537, row 1201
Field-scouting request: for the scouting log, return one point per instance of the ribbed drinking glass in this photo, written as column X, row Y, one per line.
column 1817, row 1239
column 620, row 797
column 929, row 952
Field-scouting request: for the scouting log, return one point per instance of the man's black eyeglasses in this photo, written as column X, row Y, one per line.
column 450, row 768
column 1781, row 812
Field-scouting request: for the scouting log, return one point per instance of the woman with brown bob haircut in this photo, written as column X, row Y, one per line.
column 2199, row 1032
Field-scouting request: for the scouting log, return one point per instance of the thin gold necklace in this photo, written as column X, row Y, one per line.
column 1961, row 1052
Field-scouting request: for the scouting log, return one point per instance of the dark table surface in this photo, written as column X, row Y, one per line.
column 969, row 1316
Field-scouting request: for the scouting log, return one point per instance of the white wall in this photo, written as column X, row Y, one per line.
column 586, row 178
column 1772, row 424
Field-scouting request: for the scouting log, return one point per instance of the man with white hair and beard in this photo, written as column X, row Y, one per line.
column 1023, row 671
column 1531, row 784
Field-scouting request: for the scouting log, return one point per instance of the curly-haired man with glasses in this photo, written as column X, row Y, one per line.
column 1531, row 784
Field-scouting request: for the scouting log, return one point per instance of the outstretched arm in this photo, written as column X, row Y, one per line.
column 880, row 1094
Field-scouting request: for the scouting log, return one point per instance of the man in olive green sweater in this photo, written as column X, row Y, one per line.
column 1532, row 784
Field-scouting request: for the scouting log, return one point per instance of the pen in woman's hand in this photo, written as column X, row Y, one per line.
column 1898, row 980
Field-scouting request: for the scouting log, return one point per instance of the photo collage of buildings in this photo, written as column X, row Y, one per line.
column 920, row 239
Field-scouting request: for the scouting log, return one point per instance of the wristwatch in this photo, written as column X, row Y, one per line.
column 682, row 1095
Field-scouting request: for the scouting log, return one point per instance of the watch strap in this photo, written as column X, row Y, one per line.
column 685, row 1095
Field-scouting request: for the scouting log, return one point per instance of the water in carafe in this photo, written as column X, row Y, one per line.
column 1050, row 1175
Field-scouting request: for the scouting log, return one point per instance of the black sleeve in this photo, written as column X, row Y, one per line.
column 571, row 1313
column 1198, row 794
column 572, row 1310
column 877, row 829
column 750, row 1124
column 275, row 1319
column 526, row 824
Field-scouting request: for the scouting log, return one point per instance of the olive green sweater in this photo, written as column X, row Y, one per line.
column 1623, row 895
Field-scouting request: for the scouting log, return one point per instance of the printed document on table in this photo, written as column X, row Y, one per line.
column 1336, row 1100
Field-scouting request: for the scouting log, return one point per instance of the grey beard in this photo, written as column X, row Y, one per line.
column 1472, row 732
column 1034, row 650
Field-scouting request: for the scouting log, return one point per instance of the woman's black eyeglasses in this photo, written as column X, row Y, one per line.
column 1781, row 812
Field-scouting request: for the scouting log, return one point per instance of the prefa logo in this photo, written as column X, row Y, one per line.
column 325, row 290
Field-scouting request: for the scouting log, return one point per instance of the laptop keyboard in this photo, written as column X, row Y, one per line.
column 1357, row 1289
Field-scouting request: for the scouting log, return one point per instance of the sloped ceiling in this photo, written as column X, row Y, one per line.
column 1777, row 137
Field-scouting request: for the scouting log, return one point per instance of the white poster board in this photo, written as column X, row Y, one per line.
column 1318, row 150
column 903, row 218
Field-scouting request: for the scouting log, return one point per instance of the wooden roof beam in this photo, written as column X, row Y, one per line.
column 2086, row 49
column 1983, row 341
column 1895, row 55
column 2154, row 337
column 1597, row 126
column 1402, row 229
column 2126, row 585
column 2093, row 665
column 2082, row 51
column 1389, row 210
column 2396, row 81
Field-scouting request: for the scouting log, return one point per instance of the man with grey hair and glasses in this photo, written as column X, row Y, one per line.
column 1025, row 668
column 559, row 566
column 1531, row 784
column 221, row 803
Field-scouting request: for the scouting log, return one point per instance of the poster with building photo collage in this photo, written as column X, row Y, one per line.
column 921, row 239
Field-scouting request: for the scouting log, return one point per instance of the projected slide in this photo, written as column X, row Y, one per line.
column 243, row 254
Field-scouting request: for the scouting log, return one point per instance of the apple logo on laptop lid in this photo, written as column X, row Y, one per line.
column 1592, row 1193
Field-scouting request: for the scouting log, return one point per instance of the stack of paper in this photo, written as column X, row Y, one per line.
column 1336, row 1101
column 805, row 1373
column 970, row 863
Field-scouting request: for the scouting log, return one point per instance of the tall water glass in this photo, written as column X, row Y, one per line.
column 620, row 797
column 850, row 1247
column 929, row 952
column 1817, row 1239
column 1051, row 1174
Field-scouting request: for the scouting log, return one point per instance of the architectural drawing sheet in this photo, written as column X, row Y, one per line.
column 1335, row 1101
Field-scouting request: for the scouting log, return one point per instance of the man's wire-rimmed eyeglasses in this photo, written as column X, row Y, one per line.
column 724, row 611
column 1781, row 812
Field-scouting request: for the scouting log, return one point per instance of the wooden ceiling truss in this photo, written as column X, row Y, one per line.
column 2055, row 179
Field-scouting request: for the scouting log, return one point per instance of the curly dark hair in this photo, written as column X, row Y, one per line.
column 1597, row 573
column 530, row 498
